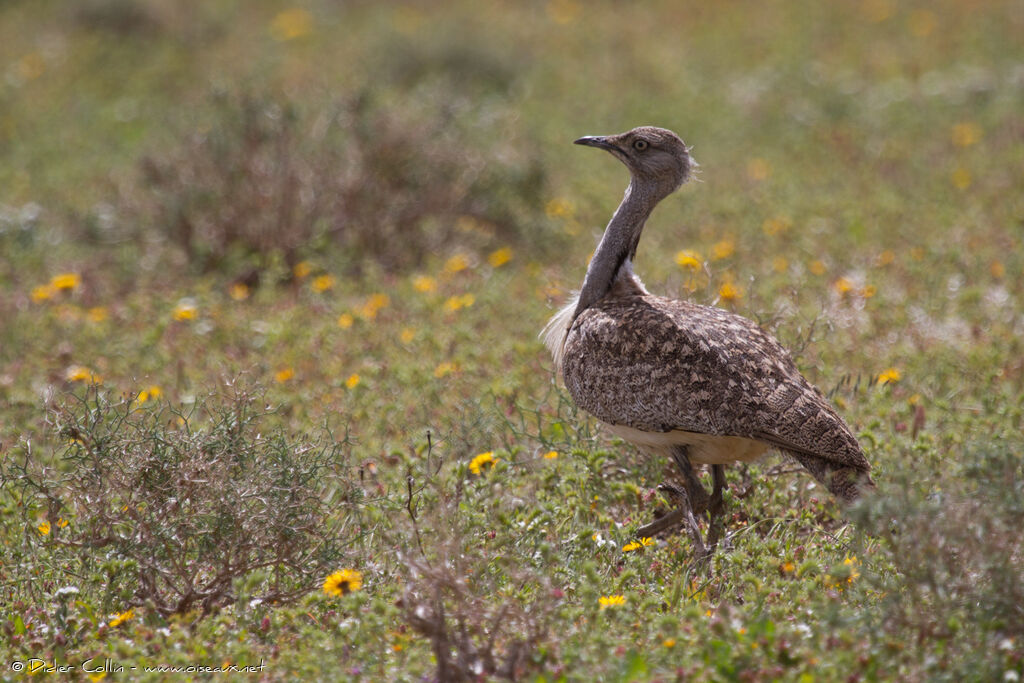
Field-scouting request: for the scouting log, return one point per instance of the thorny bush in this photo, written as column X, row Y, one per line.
column 178, row 506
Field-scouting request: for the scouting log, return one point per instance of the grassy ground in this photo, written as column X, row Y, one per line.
column 322, row 240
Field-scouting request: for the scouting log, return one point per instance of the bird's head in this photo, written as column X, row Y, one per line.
column 654, row 156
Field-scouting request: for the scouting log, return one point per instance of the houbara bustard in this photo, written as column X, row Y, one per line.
column 696, row 383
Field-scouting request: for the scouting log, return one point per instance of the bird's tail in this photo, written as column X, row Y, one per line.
column 846, row 483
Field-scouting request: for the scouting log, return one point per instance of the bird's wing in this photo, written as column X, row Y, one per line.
column 659, row 365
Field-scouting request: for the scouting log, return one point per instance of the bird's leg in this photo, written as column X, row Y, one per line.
column 716, row 508
column 698, row 496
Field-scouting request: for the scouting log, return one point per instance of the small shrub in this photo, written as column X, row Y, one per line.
column 386, row 183
column 184, row 504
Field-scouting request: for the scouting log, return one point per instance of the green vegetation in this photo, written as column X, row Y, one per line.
column 272, row 282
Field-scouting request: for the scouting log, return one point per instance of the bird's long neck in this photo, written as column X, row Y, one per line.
column 617, row 248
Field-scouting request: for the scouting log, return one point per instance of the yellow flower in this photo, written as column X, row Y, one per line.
column 343, row 582
column 500, row 257
column 122, row 617
column 775, row 226
column 817, row 267
column 722, row 250
column 151, row 392
column 997, row 269
column 407, row 335
column 479, row 461
column 96, row 678
column 66, row 281
column 961, row 178
column 758, row 169
column 551, row 455
column 455, row 264
column 185, row 309
column 345, row 321
column 376, row 302
column 687, row 258
column 424, row 284
column 302, row 269
column 80, row 373
column 283, row 375
column 892, row 375
column 44, row 528
column 611, row 600
column 322, row 283
column 669, row 642
column 239, row 291
column 353, row 381
column 558, row 208
column 290, row 24
column 98, row 314
column 61, row 522
column 868, row 291
column 454, row 303
column 780, row 264
column 636, row 545
column 886, row 257
column 876, row 11
column 788, row 567
column 729, row 292
column 966, row 134
column 444, row 369
column 42, row 293
column 843, row 285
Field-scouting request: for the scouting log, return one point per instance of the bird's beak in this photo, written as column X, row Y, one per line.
column 599, row 141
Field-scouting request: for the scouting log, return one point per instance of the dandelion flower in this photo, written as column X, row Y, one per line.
column 669, row 642
column 892, row 375
column 345, row 321
column 283, row 375
column 407, row 335
column 322, row 283
column 455, row 264
column 637, row 545
column 551, row 455
column 80, row 373
column 455, row 303
column 689, row 259
column 788, row 567
column 302, row 269
column 373, row 305
column 42, row 293
column 444, row 369
column 290, row 24
column 775, row 226
column 611, row 600
column 424, row 284
column 239, row 291
column 353, row 381
column 499, row 257
column 479, row 461
column 66, row 281
column 186, row 309
column 966, row 134
column 729, row 292
column 843, row 285
column 343, row 582
column 817, row 267
column 723, row 249
column 780, row 264
column 97, row 314
column 44, row 528
column 558, row 208
column 122, row 617
column 961, row 178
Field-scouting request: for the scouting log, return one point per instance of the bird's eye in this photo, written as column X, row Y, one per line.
column 640, row 145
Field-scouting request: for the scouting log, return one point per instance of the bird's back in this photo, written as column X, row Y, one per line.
column 660, row 365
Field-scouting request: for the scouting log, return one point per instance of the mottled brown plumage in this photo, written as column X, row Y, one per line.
column 697, row 383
